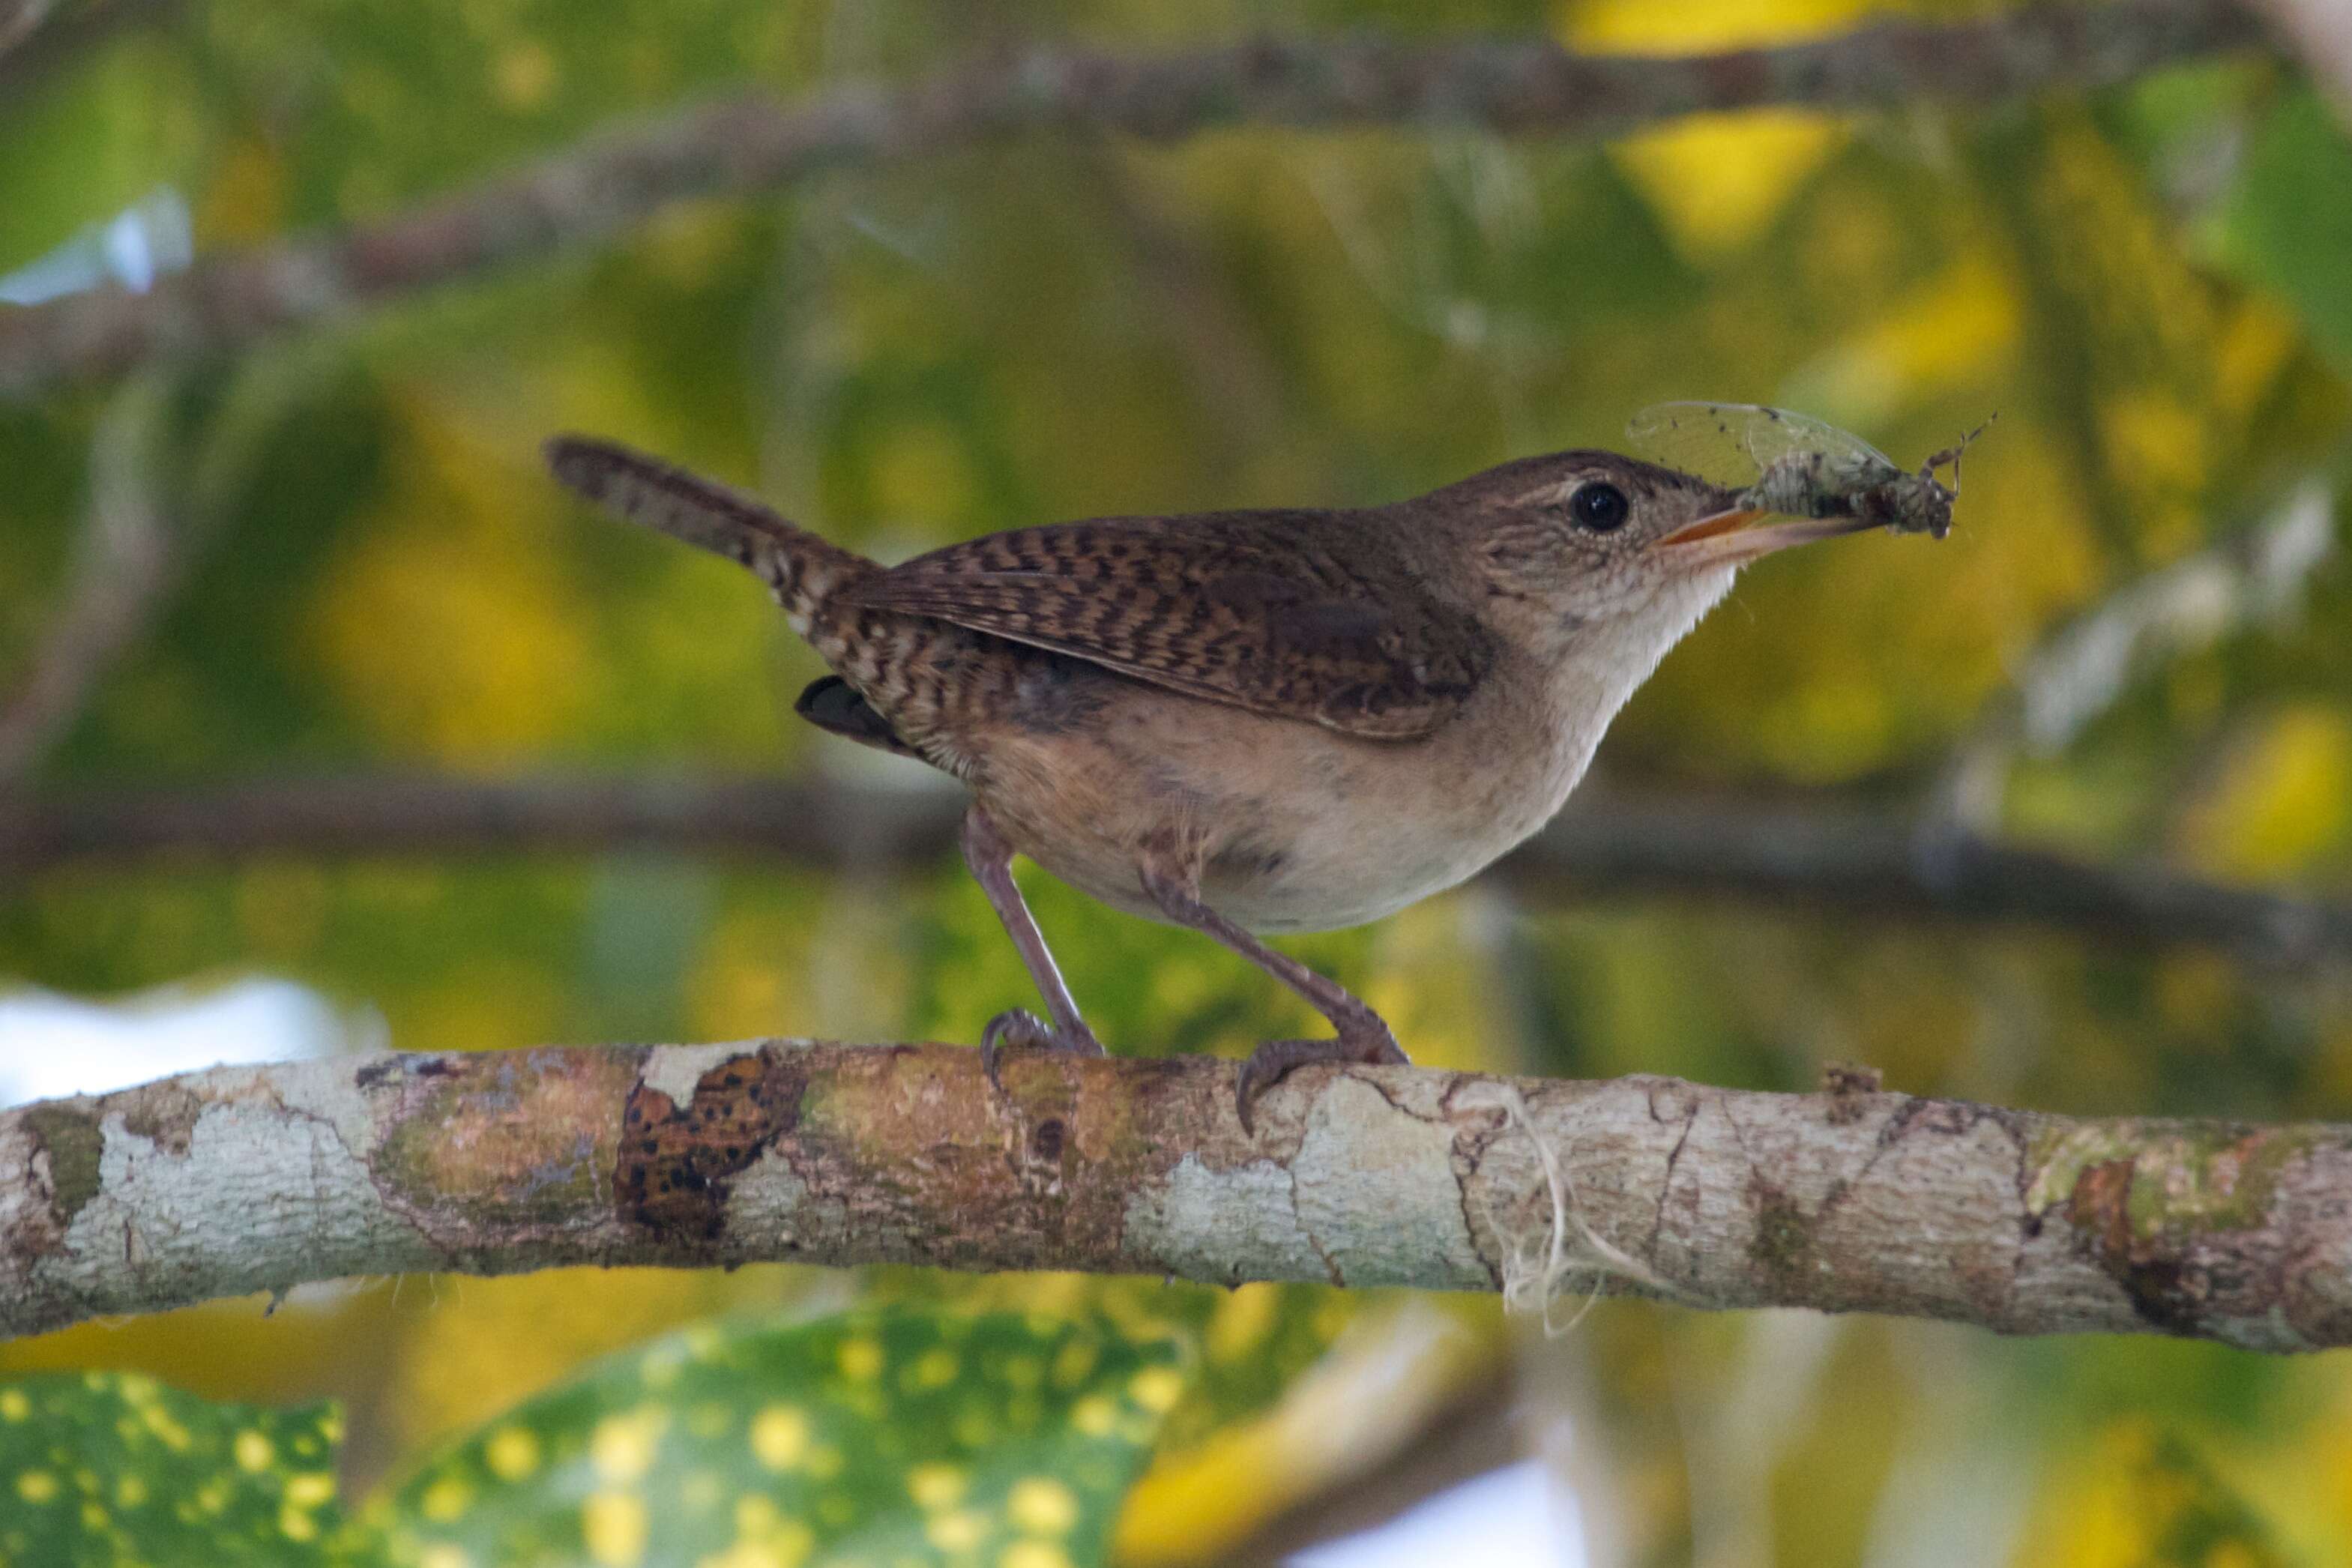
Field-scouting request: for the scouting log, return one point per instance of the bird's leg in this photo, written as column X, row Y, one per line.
column 1363, row 1035
column 990, row 856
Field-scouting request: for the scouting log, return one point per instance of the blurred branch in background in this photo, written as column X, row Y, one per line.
column 2321, row 34
column 1832, row 856
column 17, row 20
column 243, row 1179
column 1859, row 860
column 623, row 176
column 129, row 550
column 35, row 42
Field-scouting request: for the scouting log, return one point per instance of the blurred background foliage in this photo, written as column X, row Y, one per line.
column 2147, row 284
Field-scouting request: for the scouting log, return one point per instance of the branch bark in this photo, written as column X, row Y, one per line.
column 36, row 47
column 1843, row 860
column 613, row 182
column 243, row 1179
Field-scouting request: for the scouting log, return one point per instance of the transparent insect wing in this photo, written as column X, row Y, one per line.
column 1733, row 443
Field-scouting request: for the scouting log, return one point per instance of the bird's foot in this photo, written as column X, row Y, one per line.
column 1368, row 1040
column 1024, row 1030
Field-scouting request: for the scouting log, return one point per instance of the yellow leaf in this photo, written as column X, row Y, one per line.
column 2143, row 1498
column 1954, row 331
column 243, row 203
column 1379, row 1386
column 448, row 627
column 1716, row 181
column 2280, row 800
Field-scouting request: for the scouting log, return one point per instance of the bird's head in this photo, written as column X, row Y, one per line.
column 1589, row 547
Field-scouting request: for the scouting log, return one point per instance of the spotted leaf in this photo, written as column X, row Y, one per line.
column 115, row 1469
column 1255, row 1340
column 885, row 1435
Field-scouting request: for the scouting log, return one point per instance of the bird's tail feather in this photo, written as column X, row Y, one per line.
column 803, row 569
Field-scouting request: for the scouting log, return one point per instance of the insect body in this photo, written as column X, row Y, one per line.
column 1801, row 467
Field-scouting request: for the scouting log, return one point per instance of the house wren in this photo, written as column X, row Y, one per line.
column 1245, row 721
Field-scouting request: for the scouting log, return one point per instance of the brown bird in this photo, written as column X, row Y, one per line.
column 1245, row 721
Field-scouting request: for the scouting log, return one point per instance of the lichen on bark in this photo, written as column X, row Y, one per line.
column 2178, row 1214
column 485, row 1144
column 75, row 1144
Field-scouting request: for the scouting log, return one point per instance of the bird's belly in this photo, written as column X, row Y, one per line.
column 1292, row 828
column 1345, row 866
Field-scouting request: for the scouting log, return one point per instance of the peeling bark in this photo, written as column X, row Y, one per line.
column 243, row 1179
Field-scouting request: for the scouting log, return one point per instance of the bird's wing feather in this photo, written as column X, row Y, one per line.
column 1262, row 610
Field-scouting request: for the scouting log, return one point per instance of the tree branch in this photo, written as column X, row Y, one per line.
column 243, row 1179
column 1841, row 860
column 589, row 192
column 18, row 19
column 38, row 46
column 2321, row 35
column 1854, row 861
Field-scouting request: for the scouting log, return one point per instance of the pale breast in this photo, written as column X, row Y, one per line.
column 1293, row 827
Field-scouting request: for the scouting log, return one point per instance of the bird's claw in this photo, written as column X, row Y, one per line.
column 1370, row 1041
column 1024, row 1030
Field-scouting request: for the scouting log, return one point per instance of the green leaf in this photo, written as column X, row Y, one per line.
column 113, row 1468
column 2288, row 225
column 882, row 1436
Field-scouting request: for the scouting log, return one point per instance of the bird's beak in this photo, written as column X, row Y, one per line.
column 1731, row 537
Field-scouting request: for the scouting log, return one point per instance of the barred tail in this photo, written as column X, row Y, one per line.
column 801, row 569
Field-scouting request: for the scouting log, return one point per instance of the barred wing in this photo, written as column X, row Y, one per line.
column 1255, row 609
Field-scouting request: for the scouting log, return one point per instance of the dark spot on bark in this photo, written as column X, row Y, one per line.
column 689, row 1156
column 1954, row 1117
column 164, row 1114
column 1849, row 1085
column 2167, row 1295
column 1783, row 1244
column 376, row 1074
column 1046, row 1141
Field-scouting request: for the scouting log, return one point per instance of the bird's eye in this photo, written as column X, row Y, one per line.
column 1603, row 508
